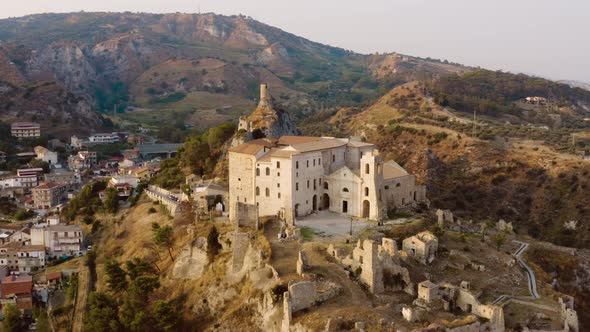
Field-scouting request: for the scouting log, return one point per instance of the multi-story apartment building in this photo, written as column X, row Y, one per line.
column 298, row 175
column 104, row 138
column 59, row 240
column 48, row 195
column 25, row 129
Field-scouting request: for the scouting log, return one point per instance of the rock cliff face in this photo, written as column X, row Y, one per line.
column 63, row 62
column 267, row 121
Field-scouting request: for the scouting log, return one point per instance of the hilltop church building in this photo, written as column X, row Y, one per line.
column 297, row 175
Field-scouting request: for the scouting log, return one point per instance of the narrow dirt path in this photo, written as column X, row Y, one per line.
column 81, row 298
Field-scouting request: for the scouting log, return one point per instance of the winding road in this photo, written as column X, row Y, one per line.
column 529, row 272
column 532, row 281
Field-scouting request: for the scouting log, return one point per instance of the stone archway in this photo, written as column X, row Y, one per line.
column 366, row 209
column 314, row 203
column 326, row 201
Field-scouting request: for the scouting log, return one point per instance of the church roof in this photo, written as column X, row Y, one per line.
column 253, row 147
column 391, row 170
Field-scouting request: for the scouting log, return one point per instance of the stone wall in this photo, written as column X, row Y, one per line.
column 240, row 244
column 163, row 197
column 244, row 215
column 302, row 294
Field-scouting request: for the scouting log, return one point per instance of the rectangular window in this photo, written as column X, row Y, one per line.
column 314, row 161
column 296, row 186
column 278, row 185
column 297, row 164
column 307, row 184
column 307, row 163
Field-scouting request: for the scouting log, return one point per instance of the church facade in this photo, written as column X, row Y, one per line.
column 297, row 175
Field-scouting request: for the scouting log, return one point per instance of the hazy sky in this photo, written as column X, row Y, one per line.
column 549, row 38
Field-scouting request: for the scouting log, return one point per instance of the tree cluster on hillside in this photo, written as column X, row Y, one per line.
column 129, row 305
column 199, row 154
column 85, row 202
column 494, row 93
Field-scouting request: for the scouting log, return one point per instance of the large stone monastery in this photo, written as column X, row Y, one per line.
column 297, row 175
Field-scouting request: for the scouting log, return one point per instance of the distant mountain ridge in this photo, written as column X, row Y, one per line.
column 201, row 69
column 154, row 61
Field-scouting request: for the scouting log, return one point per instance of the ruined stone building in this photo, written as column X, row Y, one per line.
column 421, row 246
column 451, row 297
column 297, row 175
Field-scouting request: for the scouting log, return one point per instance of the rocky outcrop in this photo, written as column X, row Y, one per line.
column 266, row 121
column 67, row 63
column 192, row 261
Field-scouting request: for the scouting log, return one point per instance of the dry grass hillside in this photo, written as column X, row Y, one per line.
column 523, row 181
column 206, row 302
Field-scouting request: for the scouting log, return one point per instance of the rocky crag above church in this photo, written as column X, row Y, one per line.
column 267, row 120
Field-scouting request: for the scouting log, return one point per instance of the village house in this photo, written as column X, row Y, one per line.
column 46, row 155
column 11, row 182
column 82, row 160
column 297, row 175
column 141, row 173
column 29, row 177
column 59, row 240
column 22, row 235
column 209, row 195
column 64, row 177
column 124, row 189
column 123, row 179
column 17, row 290
column 25, row 129
column 48, row 195
column 17, row 256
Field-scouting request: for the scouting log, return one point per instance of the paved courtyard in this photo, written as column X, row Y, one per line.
column 331, row 224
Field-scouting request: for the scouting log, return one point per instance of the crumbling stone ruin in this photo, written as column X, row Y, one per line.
column 450, row 297
column 569, row 315
column 244, row 215
column 444, row 216
column 379, row 266
column 305, row 294
column 504, row 226
column 422, row 246
column 302, row 264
